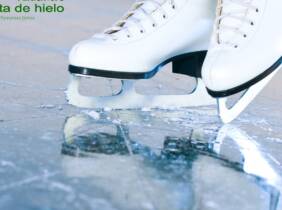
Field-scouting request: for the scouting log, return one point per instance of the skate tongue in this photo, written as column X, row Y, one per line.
column 149, row 7
column 146, row 6
column 139, row 11
column 231, row 10
column 161, row 1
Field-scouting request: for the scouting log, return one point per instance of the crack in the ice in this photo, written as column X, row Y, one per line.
column 5, row 163
column 29, row 180
column 125, row 134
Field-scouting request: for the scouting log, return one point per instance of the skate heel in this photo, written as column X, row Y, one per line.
column 189, row 64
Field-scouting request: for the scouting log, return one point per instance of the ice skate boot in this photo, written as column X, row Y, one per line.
column 245, row 52
column 152, row 34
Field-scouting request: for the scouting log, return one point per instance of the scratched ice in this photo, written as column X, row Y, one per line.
column 54, row 156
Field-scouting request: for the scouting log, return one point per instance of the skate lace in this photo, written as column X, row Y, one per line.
column 239, row 14
column 130, row 20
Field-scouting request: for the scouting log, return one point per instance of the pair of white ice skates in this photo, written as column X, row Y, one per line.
column 237, row 49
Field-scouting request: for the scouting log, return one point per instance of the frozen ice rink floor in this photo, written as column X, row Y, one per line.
column 54, row 156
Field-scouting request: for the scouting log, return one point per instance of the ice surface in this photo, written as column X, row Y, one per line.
column 55, row 156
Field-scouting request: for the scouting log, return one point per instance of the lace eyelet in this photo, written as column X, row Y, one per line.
column 164, row 16
column 128, row 36
column 252, row 23
column 236, row 46
column 245, row 35
column 257, row 10
column 142, row 31
column 173, row 7
column 154, row 25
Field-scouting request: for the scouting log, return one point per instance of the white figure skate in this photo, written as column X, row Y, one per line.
column 245, row 52
column 152, row 34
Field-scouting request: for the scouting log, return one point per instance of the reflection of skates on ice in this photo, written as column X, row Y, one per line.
column 152, row 34
column 204, row 159
column 245, row 52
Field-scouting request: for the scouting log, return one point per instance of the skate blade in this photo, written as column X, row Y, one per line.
column 227, row 115
column 128, row 98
